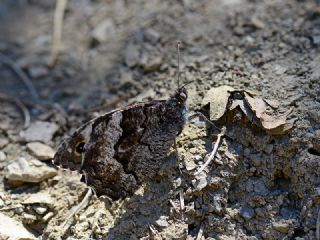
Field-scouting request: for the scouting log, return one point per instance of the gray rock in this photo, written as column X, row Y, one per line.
column 132, row 55
column 39, row 209
column 47, row 217
column 282, row 227
column 103, row 31
column 247, row 213
column 32, row 171
column 315, row 39
column 3, row 142
column 201, row 183
column 288, row 213
column 39, row 131
column 42, row 198
column 153, row 64
column 38, row 72
column 260, row 187
column 152, row 36
column 2, row 156
column 162, row 221
column 28, row 218
column 41, row 151
column 13, row 230
column 217, row 204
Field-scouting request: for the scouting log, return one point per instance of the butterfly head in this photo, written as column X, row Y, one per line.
column 181, row 95
column 70, row 153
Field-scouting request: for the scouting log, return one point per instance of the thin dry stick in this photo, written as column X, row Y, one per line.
column 181, row 197
column 200, row 233
column 57, row 31
column 108, row 105
column 213, row 153
column 17, row 70
column 22, row 107
column 318, row 226
column 85, row 201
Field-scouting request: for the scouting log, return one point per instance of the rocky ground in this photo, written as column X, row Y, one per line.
column 260, row 185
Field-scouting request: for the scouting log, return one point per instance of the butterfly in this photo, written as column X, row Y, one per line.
column 119, row 150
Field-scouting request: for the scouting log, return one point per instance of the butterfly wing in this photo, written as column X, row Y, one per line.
column 129, row 147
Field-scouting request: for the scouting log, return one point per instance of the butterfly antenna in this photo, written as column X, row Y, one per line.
column 178, row 68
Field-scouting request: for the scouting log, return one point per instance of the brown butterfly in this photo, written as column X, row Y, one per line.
column 120, row 149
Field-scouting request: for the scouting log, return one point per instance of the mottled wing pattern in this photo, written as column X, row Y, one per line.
column 119, row 150
column 128, row 147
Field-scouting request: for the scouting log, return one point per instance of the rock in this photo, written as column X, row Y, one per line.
column 13, row 230
column 217, row 204
column 42, row 198
column 152, row 36
column 39, row 131
column 152, row 64
column 282, row 227
column 39, row 209
column 288, row 213
column 2, row 156
column 28, row 218
column 260, row 187
column 247, row 213
column 175, row 231
column 162, row 221
column 41, row 151
column 201, row 183
column 257, row 23
column 103, row 31
column 131, row 56
column 215, row 182
column 190, row 165
column 3, row 142
column 47, row 217
column 32, row 171
column 38, row 72
column 315, row 39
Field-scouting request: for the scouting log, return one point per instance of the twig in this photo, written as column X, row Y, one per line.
column 213, row 153
column 200, row 114
column 17, row 70
column 85, row 201
column 318, row 226
column 181, row 198
column 108, row 105
column 22, row 107
column 200, row 233
column 57, row 31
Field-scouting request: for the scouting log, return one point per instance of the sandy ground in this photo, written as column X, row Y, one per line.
column 260, row 186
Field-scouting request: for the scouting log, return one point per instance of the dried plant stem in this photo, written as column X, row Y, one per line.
column 213, row 153
column 57, row 31
column 318, row 226
column 108, row 105
column 85, row 201
column 18, row 71
column 182, row 206
column 22, row 107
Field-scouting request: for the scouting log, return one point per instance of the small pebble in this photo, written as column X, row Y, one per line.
column 2, row 156
column 41, row 151
column 247, row 213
